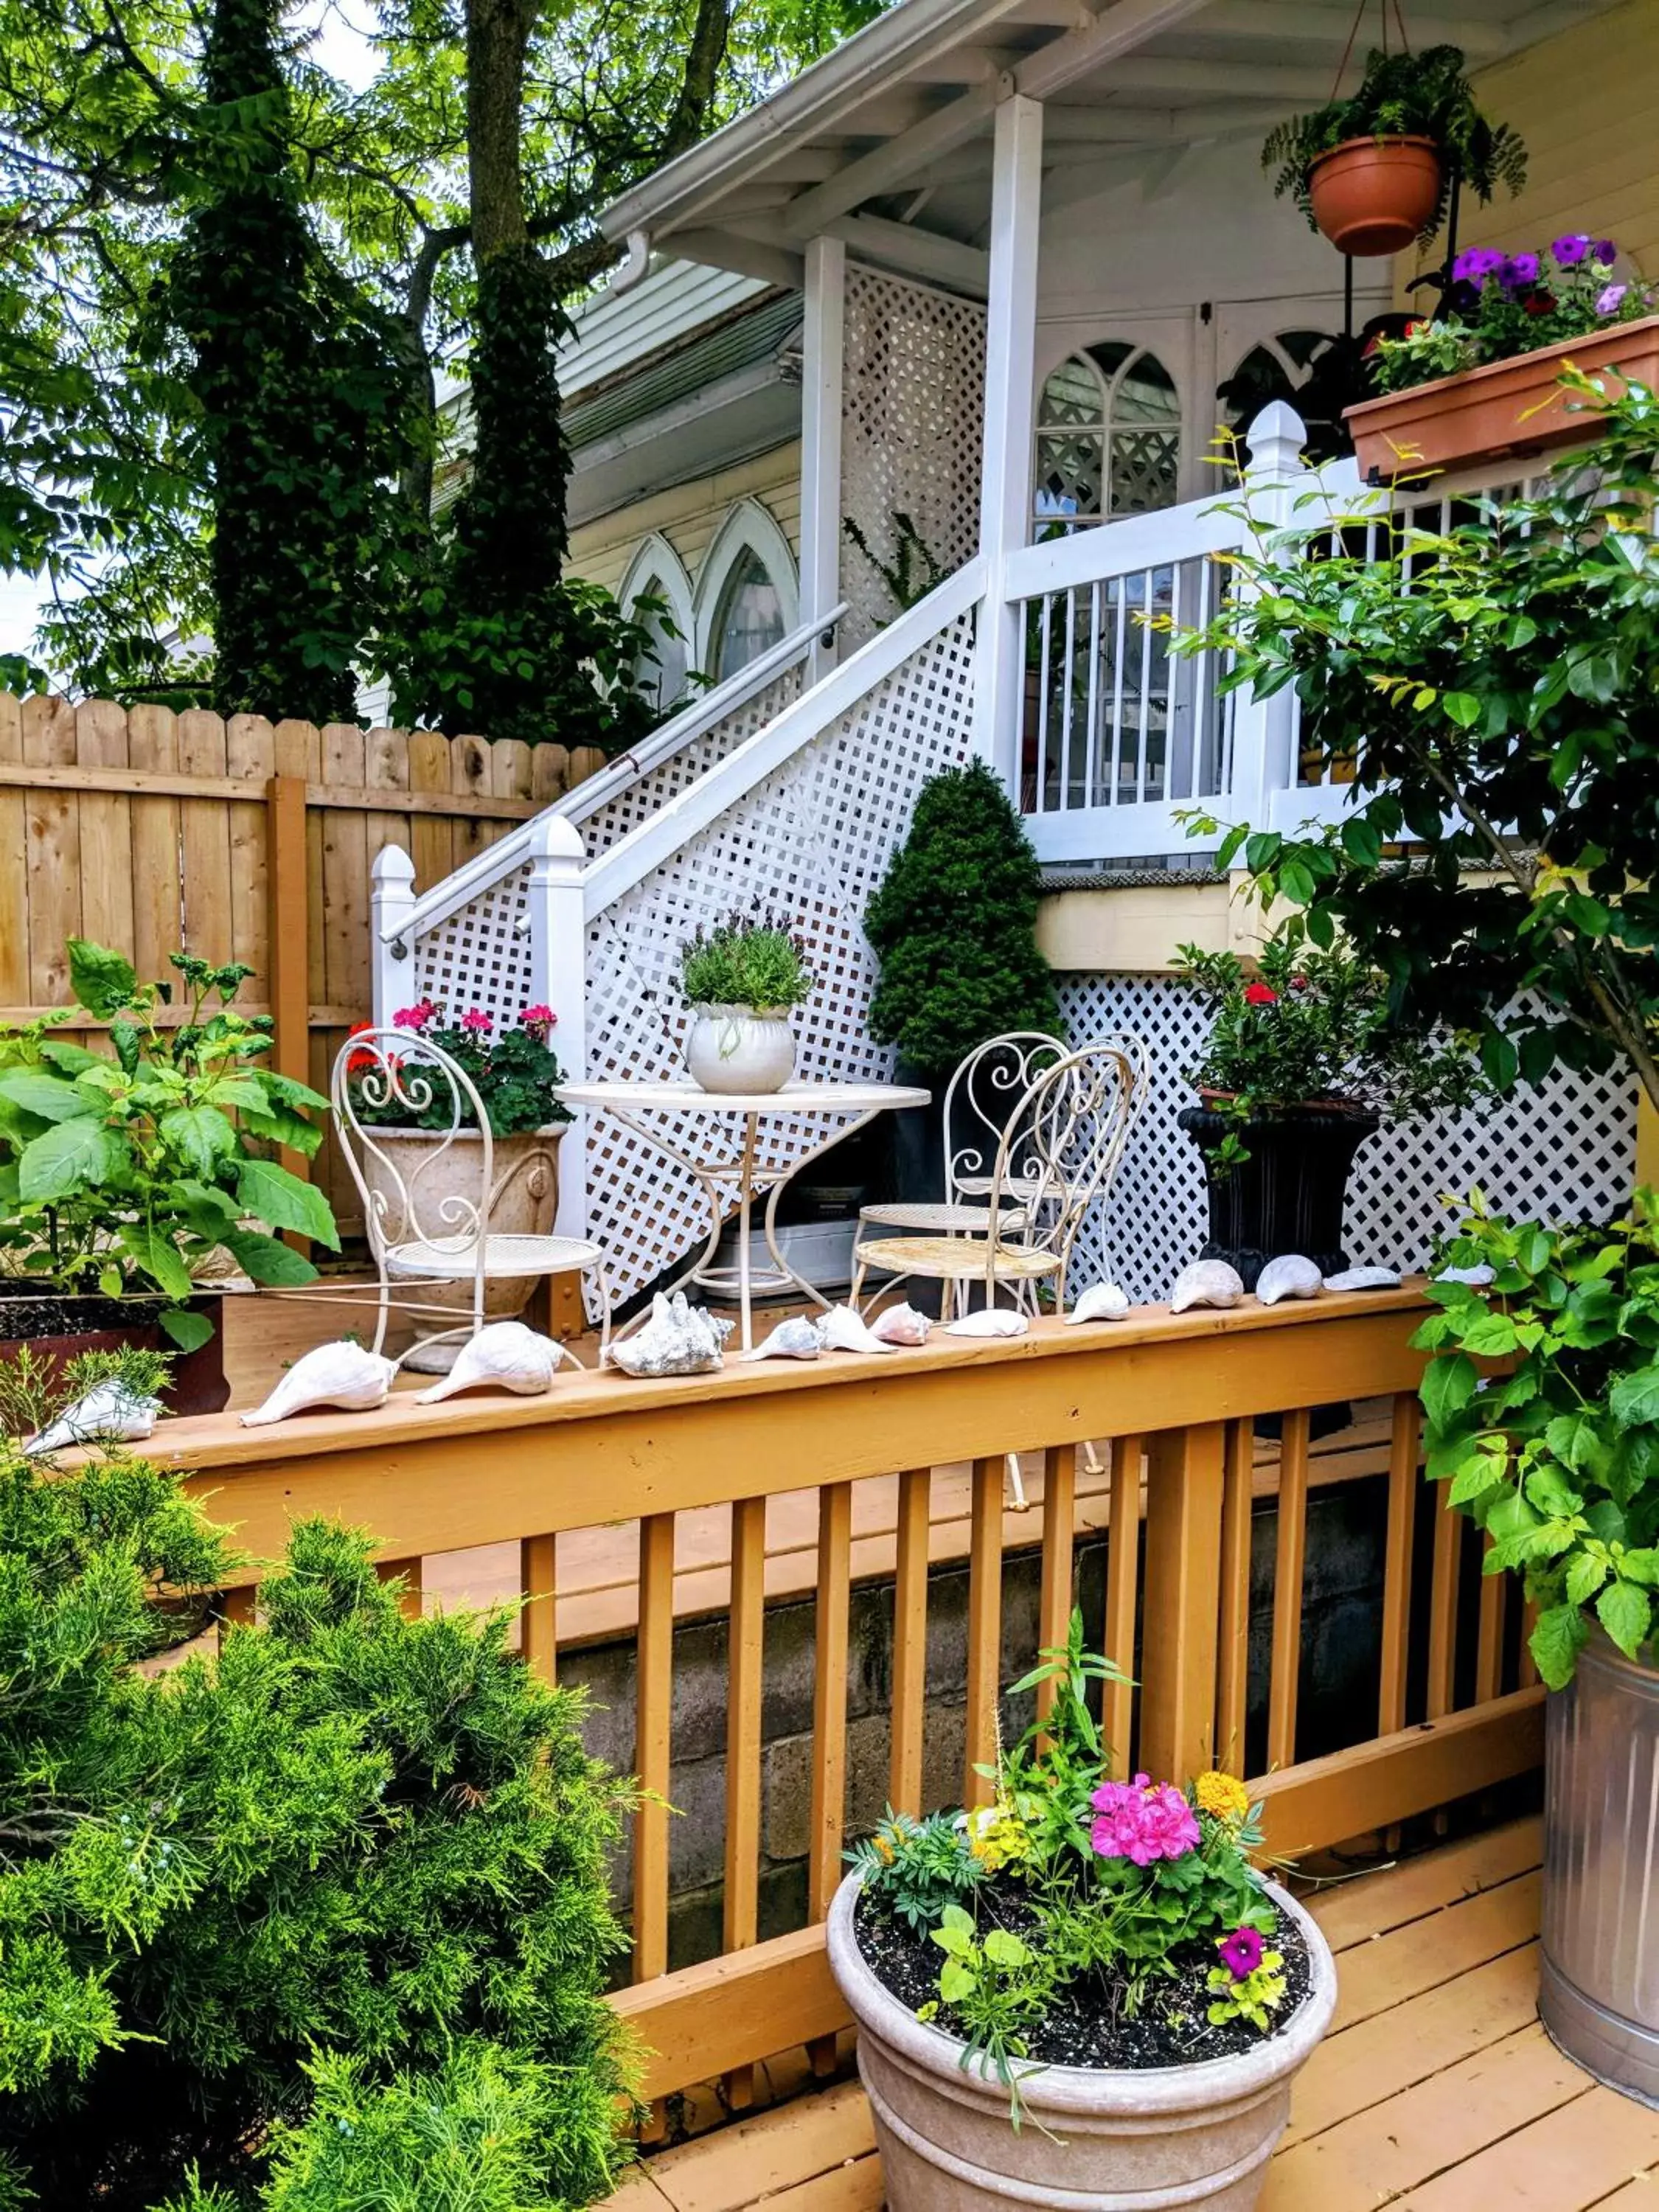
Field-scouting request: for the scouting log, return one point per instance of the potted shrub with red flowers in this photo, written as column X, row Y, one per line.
column 1305, row 1059
column 515, row 1074
column 1082, row 1993
column 1480, row 380
column 1374, row 171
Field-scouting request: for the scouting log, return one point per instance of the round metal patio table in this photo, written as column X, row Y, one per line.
column 728, row 1164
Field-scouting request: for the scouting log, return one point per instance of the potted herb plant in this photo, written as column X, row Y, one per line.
column 742, row 979
column 1480, row 380
column 413, row 1146
column 1098, row 1963
column 1373, row 172
column 125, row 1177
column 1555, row 1454
column 1305, row 1059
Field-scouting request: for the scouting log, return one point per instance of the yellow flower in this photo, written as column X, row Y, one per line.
column 996, row 1836
column 1222, row 1796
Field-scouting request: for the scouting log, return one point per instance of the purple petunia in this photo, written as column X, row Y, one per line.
column 1610, row 301
column 1604, row 253
column 1521, row 272
column 1241, row 1953
column 1567, row 252
column 1475, row 263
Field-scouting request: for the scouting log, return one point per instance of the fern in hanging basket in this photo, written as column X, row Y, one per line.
column 1403, row 95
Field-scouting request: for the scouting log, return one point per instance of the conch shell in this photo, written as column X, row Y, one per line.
column 794, row 1338
column 989, row 1320
column 506, row 1356
column 341, row 1374
column 1100, row 1301
column 1288, row 1276
column 900, row 1325
column 108, row 1412
column 1365, row 1278
column 679, row 1339
column 1206, row 1282
column 842, row 1330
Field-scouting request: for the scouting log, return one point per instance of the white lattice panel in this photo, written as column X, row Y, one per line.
column 812, row 840
column 913, row 398
column 479, row 958
column 602, row 830
column 1566, row 1149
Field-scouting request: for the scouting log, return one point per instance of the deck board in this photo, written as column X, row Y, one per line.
column 1439, row 2091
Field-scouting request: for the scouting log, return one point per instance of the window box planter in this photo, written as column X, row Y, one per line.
column 1508, row 409
column 1115, row 2139
column 58, row 1329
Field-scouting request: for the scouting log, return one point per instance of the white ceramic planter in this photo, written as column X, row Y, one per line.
column 1092, row 2140
column 740, row 1048
column 432, row 1166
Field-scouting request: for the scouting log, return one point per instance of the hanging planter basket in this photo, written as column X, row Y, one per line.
column 1373, row 196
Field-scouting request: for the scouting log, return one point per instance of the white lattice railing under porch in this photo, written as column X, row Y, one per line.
column 800, row 811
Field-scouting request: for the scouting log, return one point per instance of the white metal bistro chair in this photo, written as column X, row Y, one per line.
column 1054, row 1163
column 427, row 1215
column 984, row 1100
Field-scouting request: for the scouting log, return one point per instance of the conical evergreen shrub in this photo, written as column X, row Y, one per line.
column 285, row 1926
column 954, row 924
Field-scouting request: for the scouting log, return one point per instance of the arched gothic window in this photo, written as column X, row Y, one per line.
column 1107, row 438
column 747, row 596
column 659, row 592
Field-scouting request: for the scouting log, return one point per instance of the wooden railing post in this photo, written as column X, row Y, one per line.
column 1186, row 1481
column 289, row 937
column 391, row 903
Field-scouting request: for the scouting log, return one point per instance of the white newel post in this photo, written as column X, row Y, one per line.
column 391, row 902
column 823, row 365
column 558, row 978
column 1264, row 731
column 1009, row 400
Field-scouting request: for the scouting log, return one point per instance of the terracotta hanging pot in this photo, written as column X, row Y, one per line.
column 1372, row 196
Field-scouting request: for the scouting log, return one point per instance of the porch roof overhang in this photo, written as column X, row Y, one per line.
column 886, row 141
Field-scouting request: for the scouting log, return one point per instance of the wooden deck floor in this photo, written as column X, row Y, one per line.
column 1437, row 2091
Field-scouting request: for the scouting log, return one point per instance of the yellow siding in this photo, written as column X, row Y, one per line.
column 1587, row 103
column 689, row 515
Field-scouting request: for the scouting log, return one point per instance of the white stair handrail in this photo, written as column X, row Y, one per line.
column 672, row 824
column 486, row 868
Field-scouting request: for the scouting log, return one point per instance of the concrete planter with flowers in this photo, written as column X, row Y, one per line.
column 1102, row 2032
column 417, row 1156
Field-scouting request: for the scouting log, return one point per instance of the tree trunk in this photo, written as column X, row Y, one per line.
column 497, row 36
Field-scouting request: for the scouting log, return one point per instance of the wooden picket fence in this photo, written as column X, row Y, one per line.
column 236, row 839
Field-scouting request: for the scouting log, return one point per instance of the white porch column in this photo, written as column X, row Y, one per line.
column 558, row 978
column 1264, row 730
column 823, row 351
column 1009, row 401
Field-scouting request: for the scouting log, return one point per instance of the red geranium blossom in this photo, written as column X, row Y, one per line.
column 1259, row 994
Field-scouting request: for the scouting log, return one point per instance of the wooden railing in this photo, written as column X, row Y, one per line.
column 1176, row 1399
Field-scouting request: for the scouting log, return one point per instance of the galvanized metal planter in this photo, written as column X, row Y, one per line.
column 1599, row 1992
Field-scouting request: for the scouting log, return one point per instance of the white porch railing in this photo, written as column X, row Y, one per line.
column 1120, row 737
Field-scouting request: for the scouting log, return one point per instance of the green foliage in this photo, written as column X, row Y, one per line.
column 1503, row 305
column 1556, row 1453
column 1253, row 1997
column 34, row 1389
column 299, row 1925
column 755, row 960
column 1067, row 1881
column 126, row 1175
column 1490, row 691
column 1404, row 94
column 953, row 922
column 914, row 570
column 515, row 1074
column 1313, row 1028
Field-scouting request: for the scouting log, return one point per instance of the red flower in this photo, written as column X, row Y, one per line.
column 477, row 1022
column 1538, row 303
column 360, row 1061
column 1259, row 994
column 1298, row 982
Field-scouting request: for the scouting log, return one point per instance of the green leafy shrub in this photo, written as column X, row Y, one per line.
column 127, row 1175
column 1403, row 94
column 352, row 1869
column 953, row 922
column 1556, row 1455
column 747, row 960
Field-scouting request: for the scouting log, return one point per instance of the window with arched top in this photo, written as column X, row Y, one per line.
column 748, row 615
column 1318, row 375
column 1107, row 438
column 657, row 591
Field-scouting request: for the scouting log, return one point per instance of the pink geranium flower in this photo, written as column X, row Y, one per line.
column 541, row 1017
column 1142, row 1820
column 479, row 1023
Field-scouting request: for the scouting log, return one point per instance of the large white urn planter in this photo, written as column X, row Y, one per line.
column 732, row 1050
column 434, row 1166
column 1091, row 2140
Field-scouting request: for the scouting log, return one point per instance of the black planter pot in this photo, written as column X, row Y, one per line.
column 58, row 1329
column 1289, row 1195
